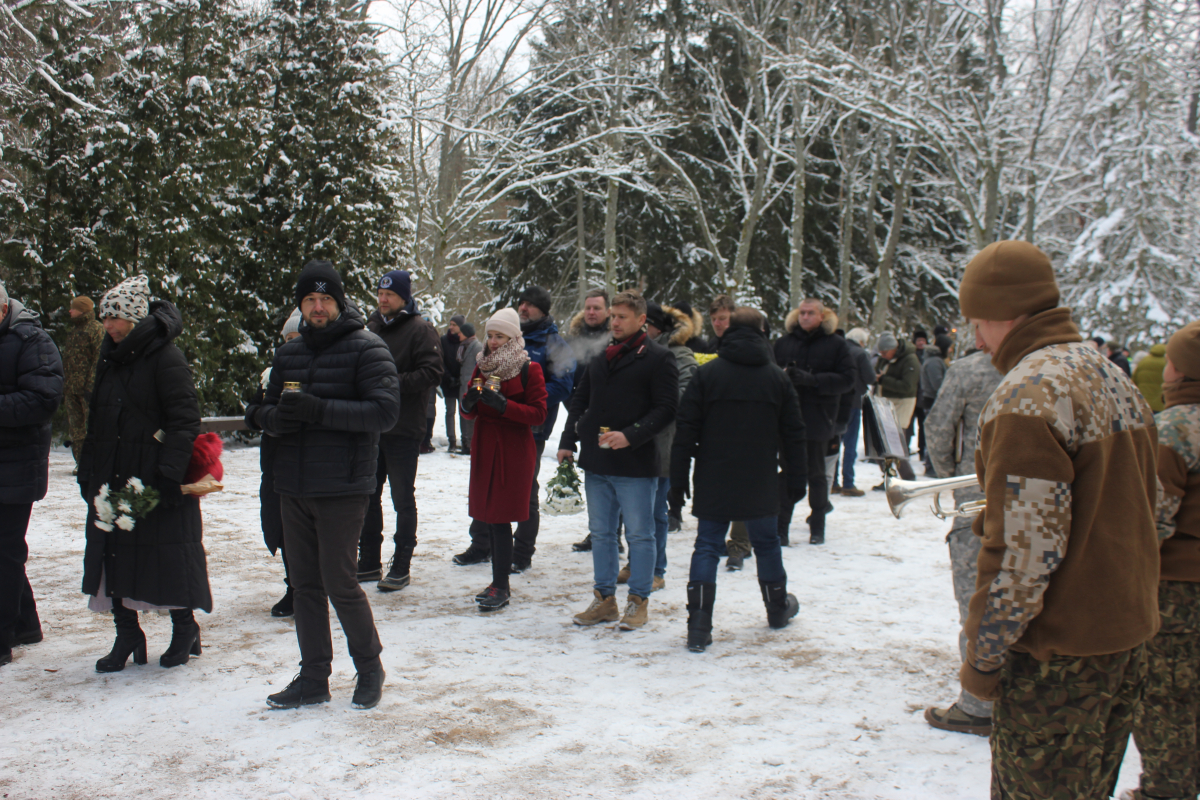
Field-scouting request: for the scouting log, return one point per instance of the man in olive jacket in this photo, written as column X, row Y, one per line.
column 325, row 463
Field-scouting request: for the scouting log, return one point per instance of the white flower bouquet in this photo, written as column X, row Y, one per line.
column 124, row 508
column 563, row 495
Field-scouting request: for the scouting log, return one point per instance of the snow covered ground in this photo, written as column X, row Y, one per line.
column 521, row 704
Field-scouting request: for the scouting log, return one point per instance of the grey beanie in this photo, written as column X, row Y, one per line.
column 292, row 325
column 885, row 342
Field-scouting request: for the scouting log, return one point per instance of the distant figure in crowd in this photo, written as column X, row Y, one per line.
column 920, row 341
column 450, row 389
column 142, row 426
column 953, row 436
column 588, row 336
column 325, row 473
column 898, row 375
column 503, row 453
column 1116, row 354
column 1067, row 589
column 31, row 388
column 719, row 311
column 632, row 393
column 79, row 357
column 933, row 372
column 739, row 419
column 470, row 350
column 552, row 353
column 697, row 343
column 268, row 498
column 1097, row 343
column 1148, row 375
column 821, row 369
column 864, row 379
column 1167, row 722
column 413, row 343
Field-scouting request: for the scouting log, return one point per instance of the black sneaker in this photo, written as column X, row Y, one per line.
column 471, row 556
column 491, row 599
column 816, row 538
column 519, row 565
column 734, row 562
column 28, row 637
column 300, row 692
column 285, row 607
column 369, row 689
column 5, row 657
column 393, row 582
column 583, row 547
column 368, row 573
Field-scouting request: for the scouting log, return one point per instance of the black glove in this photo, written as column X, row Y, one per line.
column 471, row 399
column 796, row 493
column 168, row 491
column 282, row 426
column 495, row 400
column 800, row 377
column 301, row 407
column 676, row 496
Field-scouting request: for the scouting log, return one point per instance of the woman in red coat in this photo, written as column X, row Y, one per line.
column 503, row 455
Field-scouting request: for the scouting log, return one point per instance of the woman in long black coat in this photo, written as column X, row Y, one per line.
column 143, row 422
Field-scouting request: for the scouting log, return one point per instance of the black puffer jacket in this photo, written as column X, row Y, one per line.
column 31, row 389
column 737, row 418
column 353, row 371
column 826, row 358
column 143, row 421
column 638, row 397
column 417, row 354
column 269, row 512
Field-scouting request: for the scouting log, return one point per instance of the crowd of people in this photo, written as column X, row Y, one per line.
column 1078, row 584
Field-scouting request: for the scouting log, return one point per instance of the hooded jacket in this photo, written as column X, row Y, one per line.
column 675, row 341
column 826, row 358
column 902, row 378
column 31, row 389
column 355, row 372
column 417, row 353
column 586, row 342
column 552, row 353
column 1149, row 376
column 1178, row 514
column 143, row 421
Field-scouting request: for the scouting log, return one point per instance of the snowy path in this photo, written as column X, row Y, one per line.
column 523, row 704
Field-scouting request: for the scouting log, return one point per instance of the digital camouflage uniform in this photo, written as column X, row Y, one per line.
column 79, row 357
column 1068, row 567
column 1167, row 722
column 951, row 435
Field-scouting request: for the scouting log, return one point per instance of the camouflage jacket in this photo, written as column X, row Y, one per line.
column 1178, row 515
column 952, row 425
column 81, row 352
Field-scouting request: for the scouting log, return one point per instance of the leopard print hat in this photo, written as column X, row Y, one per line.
column 129, row 299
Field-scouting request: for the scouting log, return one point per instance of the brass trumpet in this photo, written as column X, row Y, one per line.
column 901, row 492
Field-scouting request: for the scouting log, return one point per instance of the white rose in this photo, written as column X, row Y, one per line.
column 124, row 506
column 102, row 525
column 137, row 486
column 125, row 522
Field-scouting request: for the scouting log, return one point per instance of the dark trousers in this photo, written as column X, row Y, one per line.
column 527, row 531
column 320, row 535
column 917, row 417
column 710, row 541
column 850, row 447
column 818, row 491
column 18, row 611
column 500, row 535
column 398, row 466
column 481, row 536
column 451, row 401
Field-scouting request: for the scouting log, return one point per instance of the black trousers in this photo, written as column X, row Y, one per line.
column 818, row 491
column 320, row 535
column 398, row 457
column 501, row 537
column 525, row 538
column 18, row 611
column 451, row 401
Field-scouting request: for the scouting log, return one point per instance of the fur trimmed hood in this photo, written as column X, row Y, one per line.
column 576, row 325
column 829, row 320
column 685, row 326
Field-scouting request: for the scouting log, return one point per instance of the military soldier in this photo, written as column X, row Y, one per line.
column 79, row 362
column 1067, row 592
column 951, row 435
column 1166, row 723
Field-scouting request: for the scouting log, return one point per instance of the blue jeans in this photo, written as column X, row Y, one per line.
column 710, row 543
column 850, row 446
column 660, row 526
column 609, row 499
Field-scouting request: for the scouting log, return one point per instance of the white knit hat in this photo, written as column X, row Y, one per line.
column 129, row 299
column 504, row 321
column 292, row 325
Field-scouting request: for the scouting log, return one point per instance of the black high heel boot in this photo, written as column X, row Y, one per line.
column 185, row 639
column 130, row 639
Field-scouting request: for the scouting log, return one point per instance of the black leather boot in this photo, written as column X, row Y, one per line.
column 700, row 598
column 781, row 606
column 130, row 639
column 185, row 639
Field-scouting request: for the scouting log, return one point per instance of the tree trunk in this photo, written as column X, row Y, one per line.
column 799, row 194
column 580, row 245
column 610, row 236
column 883, row 286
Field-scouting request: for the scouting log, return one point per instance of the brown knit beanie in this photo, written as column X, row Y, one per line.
column 82, row 304
column 1184, row 350
column 1006, row 280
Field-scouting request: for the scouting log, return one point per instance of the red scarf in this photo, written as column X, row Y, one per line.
column 614, row 352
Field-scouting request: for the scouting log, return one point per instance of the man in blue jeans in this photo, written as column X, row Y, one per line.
column 739, row 418
column 624, row 399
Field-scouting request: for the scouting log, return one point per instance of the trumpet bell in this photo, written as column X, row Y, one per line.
column 901, row 492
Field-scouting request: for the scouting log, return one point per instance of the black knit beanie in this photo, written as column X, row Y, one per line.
column 320, row 277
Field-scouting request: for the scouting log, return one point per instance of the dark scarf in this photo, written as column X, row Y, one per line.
column 618, row 350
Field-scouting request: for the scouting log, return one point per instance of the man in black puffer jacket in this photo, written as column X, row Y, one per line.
column 31, row 389
column 821, row 368
column 325, row 463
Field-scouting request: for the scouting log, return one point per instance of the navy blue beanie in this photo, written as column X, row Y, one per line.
column 400, row 282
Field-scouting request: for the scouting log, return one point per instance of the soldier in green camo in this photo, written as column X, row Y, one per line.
column 1167, row 721
column 79, row 356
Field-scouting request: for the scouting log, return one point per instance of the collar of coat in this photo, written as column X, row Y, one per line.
column 1053, row 326
column 1185, row 392
column 829, row 322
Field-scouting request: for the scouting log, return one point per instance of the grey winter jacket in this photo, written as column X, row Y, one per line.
column 31, row 389
column 466, row 363
column 685, row 360
column 933, row 372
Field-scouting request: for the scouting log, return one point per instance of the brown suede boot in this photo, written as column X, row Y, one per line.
column 602, row 609
column 636, row 611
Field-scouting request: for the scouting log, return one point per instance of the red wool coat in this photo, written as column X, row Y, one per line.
column 503, row 455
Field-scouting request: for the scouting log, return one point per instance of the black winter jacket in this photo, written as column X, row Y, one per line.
column 864, row 373
column 143, row 421
column 738, row 416
column 31, row 389
column 825, row 356
column 417, row 353
column 353, row 371
column 638, row 397
column 269, row 512
column 449, row 347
